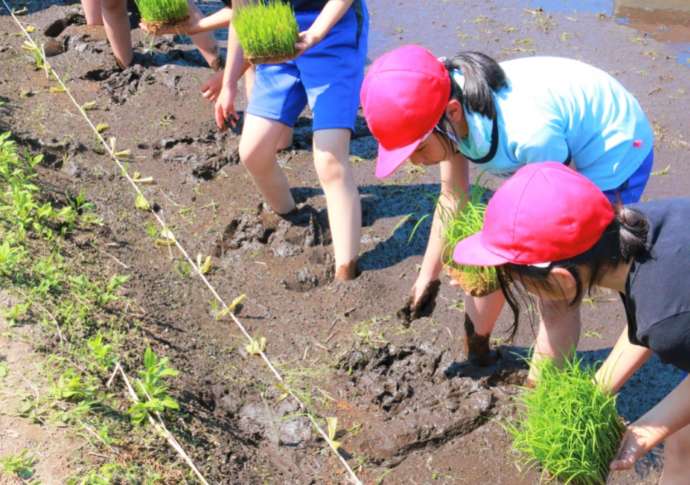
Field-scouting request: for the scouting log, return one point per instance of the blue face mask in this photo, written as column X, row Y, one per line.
column 477, row 145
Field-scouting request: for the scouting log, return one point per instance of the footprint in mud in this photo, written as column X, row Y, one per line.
column 206, row 155
column 417, row 402
column 282, row 424
column 286, row 235
column 301, row 235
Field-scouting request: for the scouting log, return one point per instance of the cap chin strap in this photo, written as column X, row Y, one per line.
column 540, row 265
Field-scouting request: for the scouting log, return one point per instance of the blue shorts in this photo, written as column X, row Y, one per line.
column 328, row 76
column 631, row 190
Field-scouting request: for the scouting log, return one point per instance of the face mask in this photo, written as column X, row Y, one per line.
column 477, row 144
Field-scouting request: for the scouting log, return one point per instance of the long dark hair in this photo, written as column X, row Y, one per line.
column 483, row 76
column 624, row 239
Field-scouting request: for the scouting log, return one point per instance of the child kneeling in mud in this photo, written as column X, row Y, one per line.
column 326, row 75
column 553, row 233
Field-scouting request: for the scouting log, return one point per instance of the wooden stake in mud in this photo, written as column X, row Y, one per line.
column 225, row 307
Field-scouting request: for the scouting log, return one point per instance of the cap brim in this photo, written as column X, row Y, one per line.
column 471, row 252
column 389, row 160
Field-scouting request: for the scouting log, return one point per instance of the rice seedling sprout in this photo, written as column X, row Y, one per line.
column 466, row 219
column 164, row 11
column 567, row 424
column 266, row 30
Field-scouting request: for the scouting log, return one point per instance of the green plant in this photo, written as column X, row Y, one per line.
column 16, row 313
column 266, row 29
column 100, row 353
column 568, row 424
column 168, row 11
column 21, row 465
column 110, row 473
column 36, row 54
column 152, row 389
column 70, row 386
column 464, row 220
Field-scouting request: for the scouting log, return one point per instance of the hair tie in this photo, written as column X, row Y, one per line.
column 458, row 78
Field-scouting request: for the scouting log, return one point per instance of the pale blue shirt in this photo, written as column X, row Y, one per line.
column 557, row 109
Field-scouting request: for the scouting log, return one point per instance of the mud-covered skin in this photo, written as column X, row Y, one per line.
column 412, row 417
column 422, row 307
column 478, row 347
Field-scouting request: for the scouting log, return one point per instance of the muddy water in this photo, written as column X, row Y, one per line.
column 665, row 20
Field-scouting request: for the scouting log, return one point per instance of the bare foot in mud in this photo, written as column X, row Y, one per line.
column 347, row 272
column 477, row 347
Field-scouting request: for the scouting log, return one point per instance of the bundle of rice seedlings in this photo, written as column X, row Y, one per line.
column 156, row 14
column 267, row 31
column 466, row 220
column 567, row 424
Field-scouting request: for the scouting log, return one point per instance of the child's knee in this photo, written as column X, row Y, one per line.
column 113, row 5
column 254, row 156
column 329, row 169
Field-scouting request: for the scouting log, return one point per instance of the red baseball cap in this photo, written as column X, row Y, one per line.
column 545, row 212
column 403, row 96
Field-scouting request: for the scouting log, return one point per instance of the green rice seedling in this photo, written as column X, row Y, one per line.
column 465, row 220
column 157, row 13
column 21, row 465
column 267, row 31
column 567, row 424
column 152, row 388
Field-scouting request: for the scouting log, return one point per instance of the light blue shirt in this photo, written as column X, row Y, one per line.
column 555, row 109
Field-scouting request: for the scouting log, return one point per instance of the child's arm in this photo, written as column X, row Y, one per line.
column 235, row 67
column 664, row 419
column 622, row 363
column 196, row 25
column 218, row 20
column 454, row 185
column 331, row 13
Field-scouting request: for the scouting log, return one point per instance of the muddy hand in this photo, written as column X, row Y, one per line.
column 630, row 451
column 423, row 306
column 224, row 109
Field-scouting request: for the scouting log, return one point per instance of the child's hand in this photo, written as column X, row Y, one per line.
column 306, row 40
column 224, row 111
column 211, row 89
column 634, row 445
column 421, row 301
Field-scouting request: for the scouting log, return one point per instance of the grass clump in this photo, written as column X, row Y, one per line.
column 568, row 424
column 267, row 31
column 162, row 11
column 465, row 220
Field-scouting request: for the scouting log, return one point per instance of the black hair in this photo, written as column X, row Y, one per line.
column 483, row 76
column 625, row 238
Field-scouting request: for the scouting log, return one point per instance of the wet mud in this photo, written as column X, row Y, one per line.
column 419, row 398
column 410, row 408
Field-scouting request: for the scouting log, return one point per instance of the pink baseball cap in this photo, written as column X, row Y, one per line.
column 404, row 95
column 545, row 212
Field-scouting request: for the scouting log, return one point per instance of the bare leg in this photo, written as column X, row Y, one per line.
column 559, row 332
column 92, row 12
column 481, row 314
column 203, row 41
column 331, row 158
column 484, row 311
column 258, row 153
column 677, row 458
column 117, row 30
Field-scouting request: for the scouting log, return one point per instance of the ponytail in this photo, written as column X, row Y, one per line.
column 634, row 228
column 483, row 76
